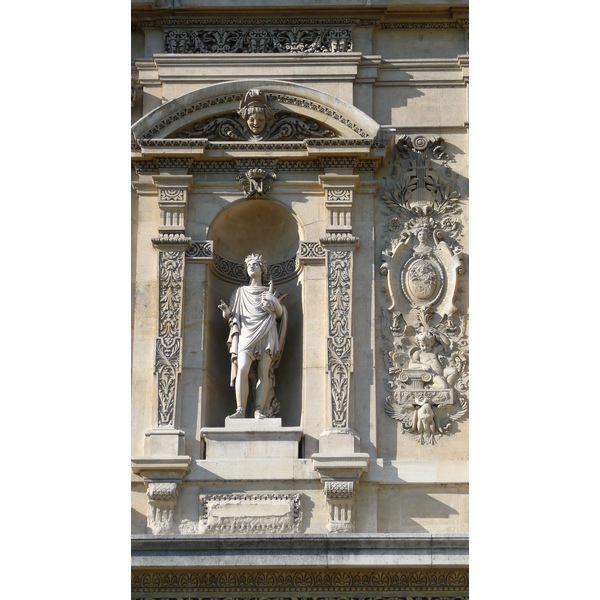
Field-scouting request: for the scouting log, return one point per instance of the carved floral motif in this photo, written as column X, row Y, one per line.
column 422, row 262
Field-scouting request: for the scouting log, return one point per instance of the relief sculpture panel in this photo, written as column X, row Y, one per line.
column 423, row 262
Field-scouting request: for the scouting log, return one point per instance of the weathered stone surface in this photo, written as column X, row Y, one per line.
column 340, row 158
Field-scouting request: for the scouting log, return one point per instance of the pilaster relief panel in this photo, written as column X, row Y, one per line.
column 427, row 352
column 339, row 244
column 168, row 342
column 339, row 341
column 172, row 245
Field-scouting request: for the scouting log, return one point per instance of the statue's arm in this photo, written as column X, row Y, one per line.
column 225, row 310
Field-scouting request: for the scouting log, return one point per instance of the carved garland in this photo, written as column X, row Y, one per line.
column 168, row 343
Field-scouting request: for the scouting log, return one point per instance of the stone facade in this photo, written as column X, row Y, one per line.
column 331, row 140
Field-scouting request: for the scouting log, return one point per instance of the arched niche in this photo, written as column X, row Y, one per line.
column 270, row 229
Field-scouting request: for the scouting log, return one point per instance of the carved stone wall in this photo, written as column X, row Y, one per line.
column 309, row 139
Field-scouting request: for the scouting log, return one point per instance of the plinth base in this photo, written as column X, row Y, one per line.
column 252, row 438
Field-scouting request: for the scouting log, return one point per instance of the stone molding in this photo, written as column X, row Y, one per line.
column 445, row 553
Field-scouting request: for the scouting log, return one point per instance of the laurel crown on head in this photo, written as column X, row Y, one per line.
column 263, row 265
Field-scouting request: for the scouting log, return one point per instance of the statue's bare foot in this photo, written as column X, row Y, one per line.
column 238, row 414
column 259, row 415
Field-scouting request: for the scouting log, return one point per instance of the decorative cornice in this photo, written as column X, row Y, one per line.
column 252, row 22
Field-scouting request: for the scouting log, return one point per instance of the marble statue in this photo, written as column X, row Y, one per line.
column 257, row 329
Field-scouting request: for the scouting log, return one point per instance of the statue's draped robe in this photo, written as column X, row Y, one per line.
column 254, row 329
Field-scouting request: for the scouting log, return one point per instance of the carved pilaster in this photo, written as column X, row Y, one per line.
column 172, row 245
column 339, row 244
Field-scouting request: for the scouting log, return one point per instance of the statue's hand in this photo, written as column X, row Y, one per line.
column 224, row 309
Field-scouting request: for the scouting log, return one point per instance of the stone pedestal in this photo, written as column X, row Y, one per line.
column 252, row 438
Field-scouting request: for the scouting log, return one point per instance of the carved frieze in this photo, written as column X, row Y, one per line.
column 305, row 40
column 311, row 252
column 200, row 251
column 422, row 262
column 236, row 272
column 388, row 583
column 250, row 513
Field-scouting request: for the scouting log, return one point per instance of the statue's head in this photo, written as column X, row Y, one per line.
column 425, row 339
column 255, row 111
column 254, row 262
column 422, row 233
